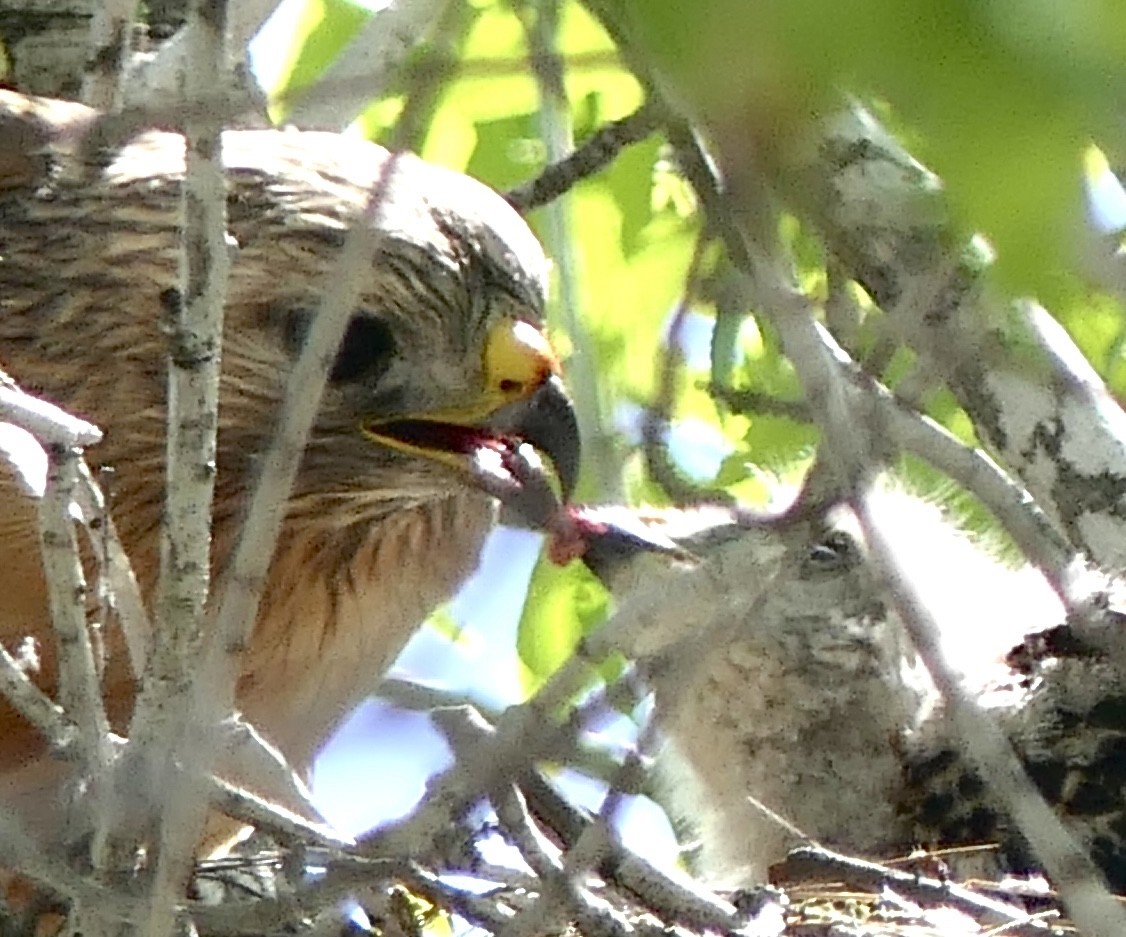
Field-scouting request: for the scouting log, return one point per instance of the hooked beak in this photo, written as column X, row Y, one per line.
column 523, row 402
column 547, row 421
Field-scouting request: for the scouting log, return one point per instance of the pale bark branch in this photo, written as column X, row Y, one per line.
column 49, row 424
column 1049, row 417
column 152, row 81
column 36, row 706
column 600, row 454
column 1092, row 907
column 365, row 68
column 108, row 51
column 79, row 667
column 117, row 590
column 152, row 797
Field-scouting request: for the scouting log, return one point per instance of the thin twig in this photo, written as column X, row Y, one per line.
column 601, row 458
column 590, row 157
column 287, row 827
column 747, row 402
column 108, row 44
column 159, row 731
column 566, row 893
column 842, row 311
column 346, row 875
column 977, row 472
column 374, row 57
column 79, row 686
column 1013, row 509
column 50, row 425
column 815, row 862
column 854, row 438
column 1073, row 871
column 517, row 822
column 114, row 569
column 427, row 77
column 657, row 418
column 36, row 706
column 676, row 901
column 243, row 584
column 853, row 433
column 484, row 912
column 973, row 469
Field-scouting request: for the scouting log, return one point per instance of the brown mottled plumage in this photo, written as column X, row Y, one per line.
column 376, row 534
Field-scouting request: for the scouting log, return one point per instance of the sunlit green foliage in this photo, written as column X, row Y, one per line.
column 1001, row 98
column 322, row 30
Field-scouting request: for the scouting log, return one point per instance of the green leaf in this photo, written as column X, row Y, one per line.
column 630, row 179
column 1002, row 97
column 324, row 28
column 563, row 604
column 775, row 441
column 508, row 151
column 443, row 622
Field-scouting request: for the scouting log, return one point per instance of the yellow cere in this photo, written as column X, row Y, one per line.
column 518, row 358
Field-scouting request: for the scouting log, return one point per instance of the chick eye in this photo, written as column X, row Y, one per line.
column 365, row 352
column 835, row 550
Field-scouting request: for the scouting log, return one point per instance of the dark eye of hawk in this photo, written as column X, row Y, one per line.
column 365, row 353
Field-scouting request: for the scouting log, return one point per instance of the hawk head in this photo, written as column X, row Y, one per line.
column 444, row 361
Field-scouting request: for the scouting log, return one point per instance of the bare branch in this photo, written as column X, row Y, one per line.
column 808, row 862
column 855, row 445
column 367, row 64
column 286, row 826
column 50, row 425
column 1053, row 423
column 153, row 82
column 744, row 401
column 679, row 900
column 79, row 684
column 1013, row 509
column 1075, row 874
column 856, row 455
column 242, row 586
column 426, row 75
column 108, row 44
column 601, row 459
column 977, row 472
column 159, row 728
column 35, row 705
column 590, row 157
column 117, row 583
column 658, row 414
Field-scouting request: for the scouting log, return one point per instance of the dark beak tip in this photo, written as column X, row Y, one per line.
column 552, row 426
column 548, row 422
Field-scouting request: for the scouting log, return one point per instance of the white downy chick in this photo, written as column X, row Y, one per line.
column 780, row 675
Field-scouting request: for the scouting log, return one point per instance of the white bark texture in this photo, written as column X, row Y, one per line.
column 1033, row 397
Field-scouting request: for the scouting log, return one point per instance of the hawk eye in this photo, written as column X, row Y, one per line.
column 365, row 352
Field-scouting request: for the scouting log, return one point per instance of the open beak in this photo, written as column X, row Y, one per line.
column 523, row 402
